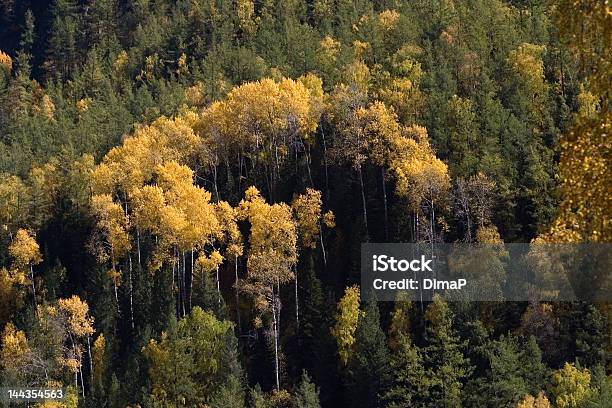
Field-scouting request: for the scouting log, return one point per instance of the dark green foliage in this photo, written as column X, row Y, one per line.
column 306, row 395
column 409, row 386
column 514, row 370
column 368, row 371
column 446, row 365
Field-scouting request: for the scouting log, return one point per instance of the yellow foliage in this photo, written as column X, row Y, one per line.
column 307, row 209
column 571, row 386
column 357, row 73
column 76, row 312
column 359, row 49
column 133, row 164
column 388, row 19
column 147, row 204
column 530, row 402
column 121, row 62
column 329, row 219
column 6, row 61
column 347, row 318
column 24, row 250
column 382, row 131
column 329, row 49
column 272, row 245
column 83, row 105
column 405, row 98
column 114, row 276
column 488, row 235
column 98, row 356
column 47, row 106
column 15, row 350
column 526, row 61
column 195, row 94
column 11, row 293
column 113, row 224
column 182, row 68
column 256, row 115
column 245, row 10
column 586, row 180
column 209, row 263
column 420, row 175
column 228, row 216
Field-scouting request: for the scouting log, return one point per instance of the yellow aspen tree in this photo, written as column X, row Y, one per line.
column 6, row 61
column 350, row 145
column 259, row 120
column 190, row 218
column 79, row 326
column 420, row 176
column 307, row 212
column 113, row 242
column 133, row 164
column 538, row 402
column 99, row 359
column 11, row 293
column 15, row 353
column 347, row 317
column 209, row 264
column 571, row 386
column 25, row 253
column 271, row 257
column 232, row 239
column 383, row 133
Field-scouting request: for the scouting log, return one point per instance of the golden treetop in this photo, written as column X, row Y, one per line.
column 25, row 250
column 76, row 312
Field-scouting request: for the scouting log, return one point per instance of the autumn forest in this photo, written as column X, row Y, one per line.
column 185, row 186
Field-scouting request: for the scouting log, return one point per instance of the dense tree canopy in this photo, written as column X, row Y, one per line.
column 185, row 186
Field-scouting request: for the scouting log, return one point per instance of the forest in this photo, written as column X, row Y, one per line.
column 185, row 186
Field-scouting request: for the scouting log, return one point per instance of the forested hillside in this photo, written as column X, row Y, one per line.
column 185, row 187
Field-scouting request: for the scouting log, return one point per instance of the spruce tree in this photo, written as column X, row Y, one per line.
column 446, row 365
column 306, row 395
column 368, row 367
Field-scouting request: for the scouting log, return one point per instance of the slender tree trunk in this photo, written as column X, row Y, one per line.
column 239, row 173
column 138, row 244
column 215, row 181
column 275, row 334
column 175, row 283
column 325, row 164
column 384, row 190
column 191, row 282
column 90, row 361
column 81, row 374
column 131, row 288
column 115, row 286
column 237, row 294
column 297, row 303
column 363, row 202
column 184, row 283
column 33, row 283
column 322, row 245
column 218, row 287
column 308, row 166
